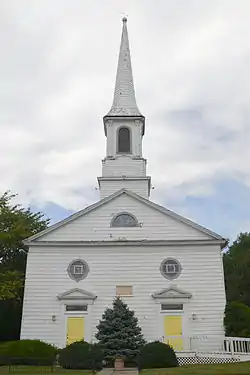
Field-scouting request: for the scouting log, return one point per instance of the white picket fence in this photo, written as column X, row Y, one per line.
column 212, row 344
column 205, row 349
column 235, row 345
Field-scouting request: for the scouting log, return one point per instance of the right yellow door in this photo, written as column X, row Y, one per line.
column 173, row 331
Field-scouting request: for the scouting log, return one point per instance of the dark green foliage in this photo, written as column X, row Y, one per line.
column 119, row 332
column 10, row 320
column 237, row 320
column 16, row 224
column 81, row 355
column 157, row 355
column 237, row 269
column 27, row 352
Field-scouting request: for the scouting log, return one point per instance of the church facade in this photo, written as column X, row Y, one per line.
column 166, row 268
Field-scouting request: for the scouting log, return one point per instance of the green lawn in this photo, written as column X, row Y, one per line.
column 36, row 370
column 226, row 369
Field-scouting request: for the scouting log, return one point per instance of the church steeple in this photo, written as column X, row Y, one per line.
column 124, row 102
column 124, row 165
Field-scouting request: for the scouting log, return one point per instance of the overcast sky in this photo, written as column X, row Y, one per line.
column 191, row 65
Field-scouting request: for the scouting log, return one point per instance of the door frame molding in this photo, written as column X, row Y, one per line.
column 185, row 320
column 87, row 322
column 76, row 297
column 173, row 295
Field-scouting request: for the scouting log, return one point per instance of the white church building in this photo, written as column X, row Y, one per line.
column 168, row 269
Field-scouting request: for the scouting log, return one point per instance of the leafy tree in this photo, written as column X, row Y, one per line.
column 11, row 284
column 237, row 269
column 237, row 319
column 16, row 224
column 119, row 332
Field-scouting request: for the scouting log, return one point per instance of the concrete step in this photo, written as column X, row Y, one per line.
column 126, row 371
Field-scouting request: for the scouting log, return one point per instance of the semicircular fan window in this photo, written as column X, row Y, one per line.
column 124, row 220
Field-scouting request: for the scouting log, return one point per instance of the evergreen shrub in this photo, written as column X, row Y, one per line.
column 81, row 355
column 119, row 333
column 157, row 355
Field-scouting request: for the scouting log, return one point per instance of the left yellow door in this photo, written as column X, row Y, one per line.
column 75, row 329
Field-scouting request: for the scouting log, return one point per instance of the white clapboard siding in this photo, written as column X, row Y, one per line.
column 136, row 266
column 124, row 166
column 139, row 186
column 95, row 225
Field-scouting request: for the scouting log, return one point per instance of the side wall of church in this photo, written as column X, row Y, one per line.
column 46, row 277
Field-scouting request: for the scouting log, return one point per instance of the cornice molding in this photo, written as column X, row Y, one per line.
column 141, row 243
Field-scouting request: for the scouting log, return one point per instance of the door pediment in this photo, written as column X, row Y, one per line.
column 172, row 293
column 76, row 294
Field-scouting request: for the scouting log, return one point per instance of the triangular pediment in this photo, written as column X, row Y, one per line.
column 171, row 292
column 76, row 294
column 168, row 223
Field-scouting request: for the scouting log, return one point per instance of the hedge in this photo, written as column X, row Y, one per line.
column 157, row 355
column 81, row 355
column 27, row 352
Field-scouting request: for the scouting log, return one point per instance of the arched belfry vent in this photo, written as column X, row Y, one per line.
column 124, row 102
column 124, row 140
column 124, row 219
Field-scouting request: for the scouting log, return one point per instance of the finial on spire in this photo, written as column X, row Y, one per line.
column 124, row 19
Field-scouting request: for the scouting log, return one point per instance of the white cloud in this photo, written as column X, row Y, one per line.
column 57, row 69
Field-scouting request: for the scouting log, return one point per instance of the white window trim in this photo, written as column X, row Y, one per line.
column 124, row 226
column 75, row 269
column 83, row 275
column 170, row 275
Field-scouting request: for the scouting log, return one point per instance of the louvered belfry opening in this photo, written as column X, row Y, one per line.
column 124, row 144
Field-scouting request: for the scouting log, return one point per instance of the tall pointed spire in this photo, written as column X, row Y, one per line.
column 124, row 103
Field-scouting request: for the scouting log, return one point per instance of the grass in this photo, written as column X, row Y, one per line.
column 36, row 370
column 242, row 368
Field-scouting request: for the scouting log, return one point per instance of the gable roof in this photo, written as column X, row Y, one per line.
column 171, row 292
column 129, row 193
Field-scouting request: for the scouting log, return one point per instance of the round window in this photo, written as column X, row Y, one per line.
column 78, row 269
column 170, row 268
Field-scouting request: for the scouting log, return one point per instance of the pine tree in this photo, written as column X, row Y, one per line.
column 119, row 332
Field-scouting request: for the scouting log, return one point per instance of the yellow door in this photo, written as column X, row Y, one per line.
column 75, row 329
column 173, row 331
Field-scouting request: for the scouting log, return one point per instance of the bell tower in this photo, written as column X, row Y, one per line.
column 124, row 127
